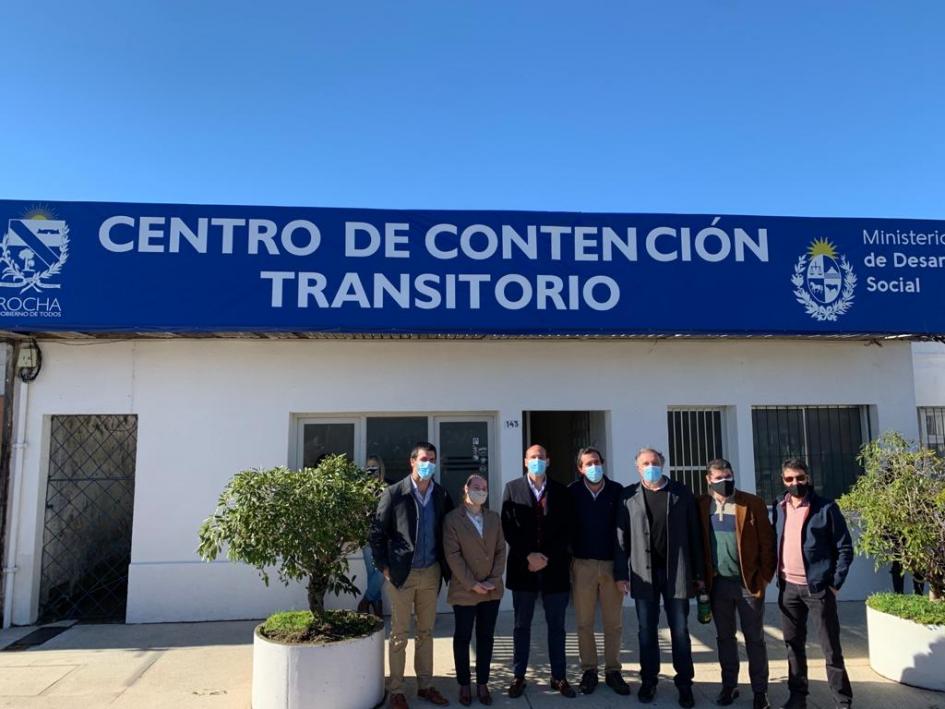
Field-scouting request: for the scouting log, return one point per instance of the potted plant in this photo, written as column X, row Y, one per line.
column 898, row 506
column 303, row 524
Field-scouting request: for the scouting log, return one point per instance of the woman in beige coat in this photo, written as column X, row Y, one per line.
column 475, row 551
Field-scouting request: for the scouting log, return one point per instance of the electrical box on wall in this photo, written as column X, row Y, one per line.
column 26, row 358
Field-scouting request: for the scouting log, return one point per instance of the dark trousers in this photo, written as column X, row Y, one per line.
column 898, row 580
column 730, row 598
column 796, row 603
column 555, row 604
column 648, row 618
column 482, row 616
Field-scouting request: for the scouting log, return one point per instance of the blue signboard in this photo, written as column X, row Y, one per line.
column 106, row 267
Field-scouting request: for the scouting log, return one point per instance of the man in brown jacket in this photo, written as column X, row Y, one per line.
column 738, row 545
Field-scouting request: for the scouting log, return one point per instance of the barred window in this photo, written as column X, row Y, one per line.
column 828, row 438
column 695, row 438
column 932, row 428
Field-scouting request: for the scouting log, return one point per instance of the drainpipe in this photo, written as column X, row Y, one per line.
column 16, row 473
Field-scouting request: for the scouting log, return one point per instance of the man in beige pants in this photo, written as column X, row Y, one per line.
column 407, row 543
column 595, row 498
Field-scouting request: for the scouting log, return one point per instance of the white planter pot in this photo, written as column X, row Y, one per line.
column 348, row 674
column 905, row 651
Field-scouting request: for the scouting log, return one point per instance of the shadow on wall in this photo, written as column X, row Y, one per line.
column 928, row 668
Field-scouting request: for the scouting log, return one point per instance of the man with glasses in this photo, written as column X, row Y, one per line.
column 814, row 556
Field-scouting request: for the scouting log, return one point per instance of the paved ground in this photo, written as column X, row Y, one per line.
column 208, row 665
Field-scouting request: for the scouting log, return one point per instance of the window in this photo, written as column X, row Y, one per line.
column 325, row 438
column 462, row 441
column 828, row 438
column 695, row 438
column 391, row 438
column 932, row 428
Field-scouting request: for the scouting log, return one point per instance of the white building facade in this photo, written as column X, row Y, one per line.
column 159, row 349
column 205, row 409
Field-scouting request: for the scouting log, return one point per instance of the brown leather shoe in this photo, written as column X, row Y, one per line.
column 432, row 695
column 465, row 695
column 562, row 686
column 517, row 687
column 398, row 701
column 482, row 692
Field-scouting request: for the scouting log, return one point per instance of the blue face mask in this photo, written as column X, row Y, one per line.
column 426, row 469
column 537, row 466
column 594, row 473
column 652, row 473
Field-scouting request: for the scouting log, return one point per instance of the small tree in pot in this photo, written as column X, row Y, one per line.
column 303, row 524
column 899, row 508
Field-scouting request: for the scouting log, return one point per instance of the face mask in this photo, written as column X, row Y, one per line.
column 594, row 473
column 537, row 466
column 723, row 487
column 799, row 489
column 652, row 473
column 478, row 497
column 426, row 469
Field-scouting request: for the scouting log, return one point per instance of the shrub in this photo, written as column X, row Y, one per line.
column 899, row 508
column 916, row 608
column 301, row 523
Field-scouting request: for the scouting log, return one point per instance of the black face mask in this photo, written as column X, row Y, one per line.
column 725, row 488
column 798, row 489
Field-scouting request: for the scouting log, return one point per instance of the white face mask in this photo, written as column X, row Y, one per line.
column 478, row 497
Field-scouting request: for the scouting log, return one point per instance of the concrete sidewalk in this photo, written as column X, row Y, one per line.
column 208, row 665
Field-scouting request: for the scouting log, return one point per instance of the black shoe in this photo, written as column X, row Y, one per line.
column 685, row 697
column 760, row 701
column 565, row 689
column 517, row 687
column 795, row 701
column 588, row 682
column 616, row 683
column 647, row 692
column 727, row 696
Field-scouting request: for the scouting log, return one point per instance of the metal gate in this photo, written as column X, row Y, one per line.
column 89, row 505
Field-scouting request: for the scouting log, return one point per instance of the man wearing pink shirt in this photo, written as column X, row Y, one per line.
column 814, row 557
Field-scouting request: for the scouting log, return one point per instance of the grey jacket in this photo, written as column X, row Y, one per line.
column 684, row 563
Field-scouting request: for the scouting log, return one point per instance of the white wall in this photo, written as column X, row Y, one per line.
column 929, row 363
column 208, row 408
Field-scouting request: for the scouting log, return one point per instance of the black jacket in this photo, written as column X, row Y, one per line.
column 519, row 524
column 632, row 558
column 827, row 545
column 394, row 530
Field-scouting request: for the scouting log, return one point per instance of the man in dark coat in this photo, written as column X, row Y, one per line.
column 659, row 555
column 407, row 543
column 536, row 514
column 814, row 555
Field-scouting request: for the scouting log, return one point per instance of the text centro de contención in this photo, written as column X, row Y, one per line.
column 476, row 242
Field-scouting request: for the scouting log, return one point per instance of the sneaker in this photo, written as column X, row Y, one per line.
column 760, row 701
column 685, row 697
column 727, row 696
column 616, row 683
column 647, row 692
column 588, row 682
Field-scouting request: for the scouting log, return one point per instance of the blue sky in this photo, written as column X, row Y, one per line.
column 727, row 106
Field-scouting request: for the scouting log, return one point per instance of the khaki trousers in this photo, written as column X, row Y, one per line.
column 416, row 597
column 592, row 582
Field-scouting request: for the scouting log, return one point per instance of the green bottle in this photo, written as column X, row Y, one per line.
column 704, row 607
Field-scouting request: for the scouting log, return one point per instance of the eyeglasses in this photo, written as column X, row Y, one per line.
column 793, row 478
